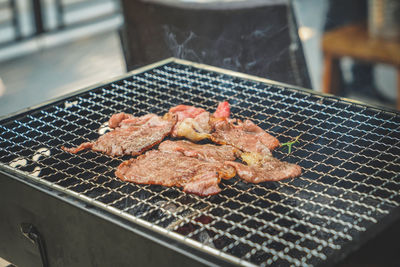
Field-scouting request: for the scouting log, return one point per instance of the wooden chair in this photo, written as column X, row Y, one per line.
column 353, row 41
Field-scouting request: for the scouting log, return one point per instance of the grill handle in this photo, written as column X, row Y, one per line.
column 31, row 232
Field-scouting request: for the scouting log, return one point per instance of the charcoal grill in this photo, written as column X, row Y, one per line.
column 348, row 192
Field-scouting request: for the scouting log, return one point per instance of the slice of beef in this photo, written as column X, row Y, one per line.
column 173, row 169
column 245, row 136
column 262, row 168
column 196, row 124
column 192, row 123
column 186, row 111
column 131, row 137
column 124, row 120
column 207, row 152
column 194, row 129
column 116, row 119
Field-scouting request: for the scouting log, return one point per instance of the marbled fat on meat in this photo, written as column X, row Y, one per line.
column 116, row 119
column 173, row 169
column 123, row 120
column 199, row 116
column 245, row 136
column 132, row 135
column 262, row 168
column 195, row 123
column 207, row 152
column 271, row 169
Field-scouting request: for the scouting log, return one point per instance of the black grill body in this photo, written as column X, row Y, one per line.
column 83, row 215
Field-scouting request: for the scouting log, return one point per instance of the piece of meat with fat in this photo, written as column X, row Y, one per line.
column 192, row 122
column 116, row 119
column 206, row 152
column 262, row 168
column 186, row 111
column 173, row 169
column 132, row 135
column 124, row 120
column 194, row 129
column 245, row 136
column 195, row 123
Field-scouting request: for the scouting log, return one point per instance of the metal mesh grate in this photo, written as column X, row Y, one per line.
column 349, row 154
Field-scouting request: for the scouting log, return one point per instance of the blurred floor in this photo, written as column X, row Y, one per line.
column 35, row 78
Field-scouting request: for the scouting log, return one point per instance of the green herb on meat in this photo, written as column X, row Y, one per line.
column 290, row 144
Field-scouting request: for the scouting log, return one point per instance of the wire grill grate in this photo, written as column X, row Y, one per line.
column 349, row 154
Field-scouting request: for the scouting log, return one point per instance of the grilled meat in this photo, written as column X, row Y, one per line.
column 123, row 120
column 223, row 111
column 194, row 129
column 193, row 123
column 245, row 136
column 256, row 144
column 208, row 152
column 196, row 123
column 173, row 169
column 262, row 168
column 197, row 168
column 116, row 119
column 132, row 135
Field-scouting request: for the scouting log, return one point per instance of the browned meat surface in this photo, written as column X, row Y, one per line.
column 173, row 169
column 192, row 123
column 198, row 169
column 116, row 119
column 262, row 168
column 245, row 136
column 132, row 137
column 207, row 152
column 148, row 119
column 196, row 124
column 186, row 111
column 194, row 129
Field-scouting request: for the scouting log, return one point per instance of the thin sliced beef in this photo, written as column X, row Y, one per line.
column 173, row 169
column 124, row 120
column 192, row 123
column 196, row 123
column 245, row 136
column 131, row 137
column 116, row 119
column 207, row 152
column 256, row 144
column 194, row 129
column 186, row 111
column 262, row 168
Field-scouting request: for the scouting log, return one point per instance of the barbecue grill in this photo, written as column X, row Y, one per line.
column 62, row 209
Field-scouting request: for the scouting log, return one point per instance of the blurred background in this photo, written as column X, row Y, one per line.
column 49, row 48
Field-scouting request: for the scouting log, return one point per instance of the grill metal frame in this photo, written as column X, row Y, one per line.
column 281, row 198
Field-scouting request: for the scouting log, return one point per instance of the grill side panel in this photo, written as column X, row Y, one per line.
column 78, row 234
